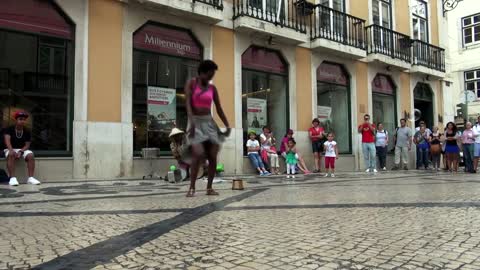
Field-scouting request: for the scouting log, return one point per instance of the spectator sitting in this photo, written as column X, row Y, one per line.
column 177, row 146
column 18, row 140
column 253, row 147
column 301, row 162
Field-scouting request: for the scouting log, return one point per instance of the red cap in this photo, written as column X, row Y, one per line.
column 21, row 114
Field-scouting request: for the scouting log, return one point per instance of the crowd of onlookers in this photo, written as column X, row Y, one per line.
column 432, row 146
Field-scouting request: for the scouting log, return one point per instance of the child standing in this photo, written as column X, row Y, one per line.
column 291, row 158
column 253, row 146
column 436, row 148
column 331, row 154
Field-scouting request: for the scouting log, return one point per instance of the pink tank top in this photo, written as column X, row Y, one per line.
column 200, row 98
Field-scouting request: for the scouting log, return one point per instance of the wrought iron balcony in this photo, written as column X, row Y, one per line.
column 381, row 40
column 428, row 55
column 214, row 3
column 337, row 26
column 291, row 14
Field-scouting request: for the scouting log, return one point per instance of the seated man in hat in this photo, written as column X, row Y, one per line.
column 17, row 140
column 177, row 146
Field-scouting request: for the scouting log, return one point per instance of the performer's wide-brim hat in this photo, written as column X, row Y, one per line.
column 175, row 131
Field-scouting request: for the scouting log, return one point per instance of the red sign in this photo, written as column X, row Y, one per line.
column 34, row 16
column 331, row 73
column 263, row 60
column 383, row 84
column 168, row 41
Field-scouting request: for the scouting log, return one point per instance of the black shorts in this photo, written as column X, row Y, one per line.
column 317, row 146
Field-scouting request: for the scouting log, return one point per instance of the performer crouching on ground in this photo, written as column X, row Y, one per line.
column 204, row 137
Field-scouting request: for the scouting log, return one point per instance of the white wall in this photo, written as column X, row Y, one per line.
column 460, row 58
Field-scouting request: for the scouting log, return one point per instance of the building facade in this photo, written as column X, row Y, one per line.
column 463, row 58
column 85, row 69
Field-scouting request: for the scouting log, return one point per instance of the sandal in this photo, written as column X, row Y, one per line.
column 191, row 193
column 212, row 192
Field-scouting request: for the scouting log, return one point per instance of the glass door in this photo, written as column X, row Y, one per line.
column 269, row 10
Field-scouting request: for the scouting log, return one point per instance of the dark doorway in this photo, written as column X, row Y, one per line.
column 423, row 103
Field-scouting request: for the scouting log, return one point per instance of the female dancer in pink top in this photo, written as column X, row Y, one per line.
column 204, row 136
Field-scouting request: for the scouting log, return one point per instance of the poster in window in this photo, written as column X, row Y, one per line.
column 162, row 108
column 324, row 114
column 256, row 114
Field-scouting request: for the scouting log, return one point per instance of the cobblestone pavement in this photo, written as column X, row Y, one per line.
column 410, row 220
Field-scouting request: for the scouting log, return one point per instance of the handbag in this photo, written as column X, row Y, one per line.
column 435, row 149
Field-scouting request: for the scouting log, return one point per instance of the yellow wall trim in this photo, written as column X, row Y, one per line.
column 303, row 58
column 105, row 60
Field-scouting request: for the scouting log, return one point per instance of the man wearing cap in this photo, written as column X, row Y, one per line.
column 177, row 146
column 18, row 140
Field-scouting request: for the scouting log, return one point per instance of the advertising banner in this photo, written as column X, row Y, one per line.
column 324, row 115
column 162, row 108
column 256, row 114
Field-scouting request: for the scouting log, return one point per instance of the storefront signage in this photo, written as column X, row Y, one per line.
column 256, row 114
column 263, row 60
column 162, row 108
column 383, row 84
column 168, row 41
column 331, row 73
column 34, row 16
column 323, row 112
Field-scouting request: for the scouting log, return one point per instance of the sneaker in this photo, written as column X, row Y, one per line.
column 266, row 173
column 367, row 170
column 33, row 181
column 332, row 175
column 293, row 176
column 261, row 174
column 326, row 175
column 384, row 168
column 375, row 170
column 316, row 171
column 13, row 181
column 288, row 176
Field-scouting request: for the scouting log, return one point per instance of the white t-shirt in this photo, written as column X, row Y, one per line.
column 330, row 149
column 266, row 143
column 252, row 143
column 476, row 133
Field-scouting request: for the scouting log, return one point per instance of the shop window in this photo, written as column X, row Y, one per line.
column 384, row 104
column 264, row 92
column 36, row 73
column 164, row 59
column 333, row 103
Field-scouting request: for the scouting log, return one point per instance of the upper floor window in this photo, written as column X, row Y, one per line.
column 382, row 13
column 334, row 4
column 471, row 29
column 472, row 81
column 420, row 20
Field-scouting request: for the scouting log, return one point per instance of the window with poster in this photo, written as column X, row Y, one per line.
column 385, row 104
column 333, row 103
column 264, row 92
column 36, row 72
column 164, row 59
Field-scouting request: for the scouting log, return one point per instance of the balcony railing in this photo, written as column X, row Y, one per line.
column 52, row 83
column 428, row 55
column 214, row 3
column 388, row 42
column 337, row 26
column 287, row 13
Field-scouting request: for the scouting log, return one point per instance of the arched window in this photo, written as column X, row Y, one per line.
column 36, row 72
column 264, row 91
column 385, row 104
column 164, row 58
column 333, row 103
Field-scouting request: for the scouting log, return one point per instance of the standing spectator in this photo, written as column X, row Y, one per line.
column 18, row 140
column 267, row 142
column 316, row 133
column 381, row 143
column 468, row 141
column 436, row 148
column 291, row 158
column 451, row 147
column 421, row 140
column 367, row 130
column 476, row 133
column 403, row 144
column 253, row 147
column 428, row 131
column 331, row 154
column 301, row 162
